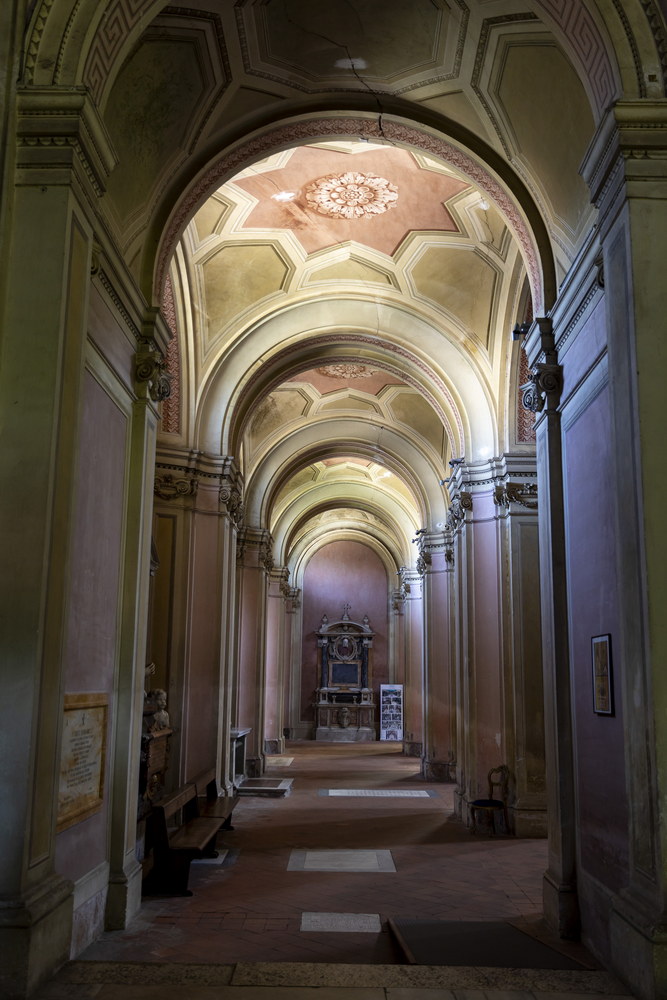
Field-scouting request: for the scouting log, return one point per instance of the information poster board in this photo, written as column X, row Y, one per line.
column 391, row 711
column 82, row 760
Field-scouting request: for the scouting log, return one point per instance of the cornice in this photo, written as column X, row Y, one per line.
column 59, row 130
column 630, row 144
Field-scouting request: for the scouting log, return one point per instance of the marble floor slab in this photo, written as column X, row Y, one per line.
column 351, row 923
column 378, row 793
column 341, row 861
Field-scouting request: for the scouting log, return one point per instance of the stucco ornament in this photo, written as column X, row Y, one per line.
column 351, row 195
column 344, row 370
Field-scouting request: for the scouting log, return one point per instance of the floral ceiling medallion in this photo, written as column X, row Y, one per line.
column 344, row 370
column 351, row 195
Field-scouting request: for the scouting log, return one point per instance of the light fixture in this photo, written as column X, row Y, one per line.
column 284, row 196
column 484, row 205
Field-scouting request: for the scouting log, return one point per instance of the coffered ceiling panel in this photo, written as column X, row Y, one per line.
column 304, row 43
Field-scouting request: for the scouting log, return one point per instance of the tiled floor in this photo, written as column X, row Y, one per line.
column 240, row 936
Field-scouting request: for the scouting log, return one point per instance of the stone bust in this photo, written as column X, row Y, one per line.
column 160, row 719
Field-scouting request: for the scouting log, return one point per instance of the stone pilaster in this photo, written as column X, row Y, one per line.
column 626, row 169
column 48, row 223
column 255, row 563
column 439, row 694
column 516, row 500
column 542, row 396
column 410, row 653
column 277, row 609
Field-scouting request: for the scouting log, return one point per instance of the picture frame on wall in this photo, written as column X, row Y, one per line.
column 603, row 687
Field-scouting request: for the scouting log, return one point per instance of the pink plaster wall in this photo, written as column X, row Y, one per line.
column 201, row 692
column 343, row 572
column 592, row 582
column 486, row 612
column 91, row 634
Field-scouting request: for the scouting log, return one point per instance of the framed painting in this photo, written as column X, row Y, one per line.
column 603, row 687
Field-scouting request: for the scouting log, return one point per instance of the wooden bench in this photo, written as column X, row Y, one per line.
column 175, row 845
column 210, row 803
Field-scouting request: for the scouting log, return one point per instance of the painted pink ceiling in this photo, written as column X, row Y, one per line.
column 419, row 206
column 324, row 384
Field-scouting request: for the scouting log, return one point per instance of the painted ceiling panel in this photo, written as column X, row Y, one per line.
column 277, row 409
column 460, row 281
column 350, row 270
column 412, row 409
column 296, row 198
column 236, row 277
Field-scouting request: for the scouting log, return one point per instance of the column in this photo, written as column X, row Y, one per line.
column 48, row 238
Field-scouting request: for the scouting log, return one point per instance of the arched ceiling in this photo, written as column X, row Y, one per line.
column 353, row 204
column 345, row 309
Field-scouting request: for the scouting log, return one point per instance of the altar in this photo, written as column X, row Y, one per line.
column 344, row 701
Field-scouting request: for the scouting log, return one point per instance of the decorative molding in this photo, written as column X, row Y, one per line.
column 150, row 370
column 525, row 494
column 657, row 26
column 168, row 487
column 60, row 132
column 108, row 287
column 424, row 560
column 525, row 424
column 171, row 407
column 351, row 195
column 32, row 48
column 120, row 18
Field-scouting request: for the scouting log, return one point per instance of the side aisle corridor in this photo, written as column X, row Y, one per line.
column 314, row 877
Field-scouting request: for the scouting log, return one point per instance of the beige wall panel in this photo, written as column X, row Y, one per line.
column 209, row 215
column 459, row 281
column 553, row 128
column 150, row 110
column 457, row 107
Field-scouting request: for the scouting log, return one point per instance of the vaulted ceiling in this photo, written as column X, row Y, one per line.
column 353, row 204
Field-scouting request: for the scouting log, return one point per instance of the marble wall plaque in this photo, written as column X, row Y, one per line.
column 82, row 758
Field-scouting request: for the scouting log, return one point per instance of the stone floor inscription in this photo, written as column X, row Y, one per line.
column 82, row 759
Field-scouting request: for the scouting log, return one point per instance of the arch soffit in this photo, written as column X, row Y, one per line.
column 349, row 436
column 397, row 521
column 455, row 387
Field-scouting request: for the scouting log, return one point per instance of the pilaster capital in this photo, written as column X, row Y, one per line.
column 59, row 133
column 258, row 541
column 545, row 384
column 524, row 494
column 460, row 503
column 166, row 486
column 230, row 495
column 150, row 371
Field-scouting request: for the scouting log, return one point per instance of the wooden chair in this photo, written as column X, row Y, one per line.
column 498, row 779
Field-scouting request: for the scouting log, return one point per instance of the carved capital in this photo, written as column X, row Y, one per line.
column 150, row 370
column 170, row 487
column 423, row 562
column 456, row 515
column 230, row 498
column 543, row 387
column 524, row 494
